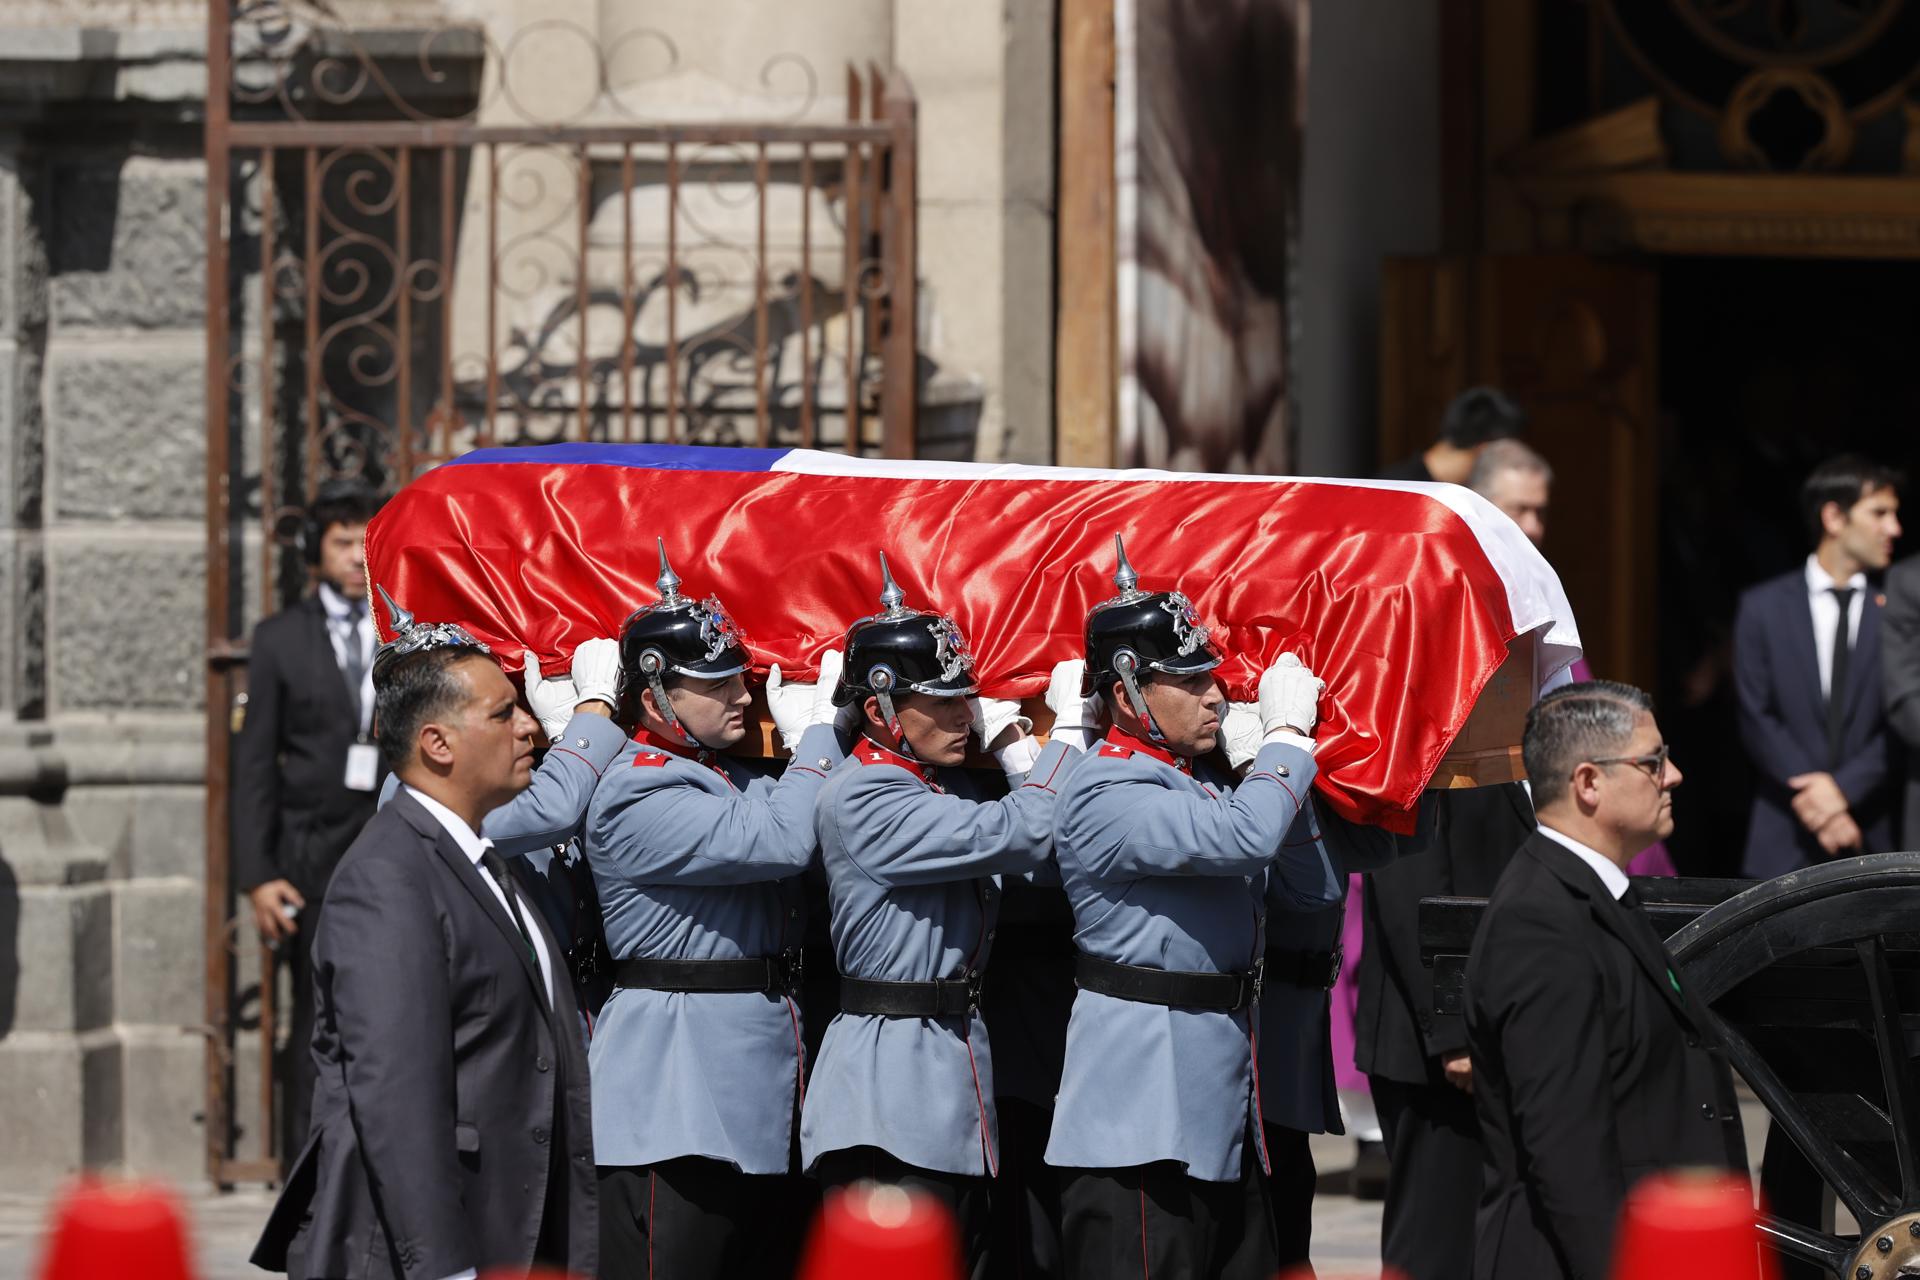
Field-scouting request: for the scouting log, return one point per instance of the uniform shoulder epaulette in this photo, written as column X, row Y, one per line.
column 1116, row 751
column 650, row 759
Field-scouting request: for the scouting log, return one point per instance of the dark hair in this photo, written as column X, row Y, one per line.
column 1577, row 722
column 345, row 502
column 412, row 690
column 1480, row 414
column 1843, row 480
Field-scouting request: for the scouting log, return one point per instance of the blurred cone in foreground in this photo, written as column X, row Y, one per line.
column 876, row 1231
column 110, row 1230
column 1697, row 1223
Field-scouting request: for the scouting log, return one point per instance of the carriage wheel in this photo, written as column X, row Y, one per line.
column 1829, row 958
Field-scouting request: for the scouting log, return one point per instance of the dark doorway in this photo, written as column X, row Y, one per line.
column 1768, row 366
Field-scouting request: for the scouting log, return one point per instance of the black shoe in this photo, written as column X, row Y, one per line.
column 1368, row 1180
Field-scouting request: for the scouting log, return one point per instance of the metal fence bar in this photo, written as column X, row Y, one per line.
column 389, row 133
column 850, row 263
column 268, row 546
column 806, row 295
column 584, row 200
column 443, row 418
column 403, row 287
column 493, row 301
column 899, row 372
column 673, row 293
column 761, row 430
column 626, row 292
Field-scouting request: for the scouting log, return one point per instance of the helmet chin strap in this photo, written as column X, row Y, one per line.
column 1125, row 665
column 881, row 681
column 650, row 667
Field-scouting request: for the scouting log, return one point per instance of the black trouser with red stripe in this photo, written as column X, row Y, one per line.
column 693, row 1218
column 1154, row 1220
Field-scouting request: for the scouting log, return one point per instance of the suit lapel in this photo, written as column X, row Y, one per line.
column 473, row 880
column 1864, row 667
column 1634, row 932
column 326, row 664
column 1805, row 650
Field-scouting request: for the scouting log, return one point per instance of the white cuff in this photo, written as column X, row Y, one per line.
column 1291, row 739
column 1018, row 757
column 1077, row 736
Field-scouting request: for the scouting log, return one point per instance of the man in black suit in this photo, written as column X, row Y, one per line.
column 1806, row 671
column 1416, row 1060
column 1473, row 418
column 304, row 768
column 451, row 1128
column 1900, row 677
column 1593, row 1064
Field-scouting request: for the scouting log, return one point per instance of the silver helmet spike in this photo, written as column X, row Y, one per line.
column 893, row 601
column 398, row 619
column 668, row 582
column 1124, row 578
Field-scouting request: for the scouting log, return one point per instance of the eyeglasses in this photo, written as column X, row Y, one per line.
column 1655, row 764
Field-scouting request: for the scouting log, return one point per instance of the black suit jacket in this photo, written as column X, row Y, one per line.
column 293, row 814
column 448, row 1091
column 1783, row 724
column 1900, row 678
column 1592, row 1067
column 1465, row 840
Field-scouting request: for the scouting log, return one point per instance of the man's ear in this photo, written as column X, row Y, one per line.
column 1584, row 785
column 870, row 708
column 1833, row 518
column 435, row 745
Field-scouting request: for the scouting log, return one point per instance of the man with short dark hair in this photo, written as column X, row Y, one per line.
column 305, row 770
column 1593, row 1063
column 1473, row 419
column 452, row 1129
column 1806, row 667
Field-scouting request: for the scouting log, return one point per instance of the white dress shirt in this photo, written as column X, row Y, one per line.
column 473, row 845
column 1609, row 872
column 342, row 628
column 1826, row 613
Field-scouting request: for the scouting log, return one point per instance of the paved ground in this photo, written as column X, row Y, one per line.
column 1346, row 1231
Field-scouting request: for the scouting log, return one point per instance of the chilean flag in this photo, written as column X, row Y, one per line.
column 1401, row 596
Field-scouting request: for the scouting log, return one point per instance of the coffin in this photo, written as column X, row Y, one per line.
column 1430, row 616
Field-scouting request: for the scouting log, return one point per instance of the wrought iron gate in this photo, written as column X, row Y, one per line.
column 416, row 247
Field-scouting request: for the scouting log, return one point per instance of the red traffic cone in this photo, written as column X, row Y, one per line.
column 1697, row 1223
column 877, row 1231
column 110, row 1230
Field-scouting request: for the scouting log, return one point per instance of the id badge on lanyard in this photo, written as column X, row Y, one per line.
column 363, row 765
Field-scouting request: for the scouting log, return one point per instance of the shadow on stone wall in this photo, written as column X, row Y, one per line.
column 9, row 946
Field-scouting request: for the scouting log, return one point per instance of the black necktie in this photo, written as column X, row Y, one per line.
column 497, row 868
column 355, row 667
column 1644, row 922
column 1837, row 682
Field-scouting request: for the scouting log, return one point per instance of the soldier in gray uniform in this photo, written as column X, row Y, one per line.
column 903, row 1089
column 696, row 1059
column 1167, row 864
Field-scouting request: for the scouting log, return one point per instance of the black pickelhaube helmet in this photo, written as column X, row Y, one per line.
column 410, row 635
column 680, row 636
column 901, row 648
column 1138, row 631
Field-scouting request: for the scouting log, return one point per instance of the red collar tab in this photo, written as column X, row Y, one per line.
column 1121, row 743
column 651, row 741
column 867, row 751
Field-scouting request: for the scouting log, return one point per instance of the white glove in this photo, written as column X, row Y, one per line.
column 596, row 672
column 832, row 662
column 1240, row 733
column 1289, row 698
column 791, row 705
column 1072, row 722
column 991, row 716
column 551, row 701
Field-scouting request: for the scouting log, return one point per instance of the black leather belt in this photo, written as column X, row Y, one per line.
column 1314, row 970
column 949, row 998
column 1226, row 992
column 756, row 973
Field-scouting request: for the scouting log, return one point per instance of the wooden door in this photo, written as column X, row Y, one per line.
column 1574, row 340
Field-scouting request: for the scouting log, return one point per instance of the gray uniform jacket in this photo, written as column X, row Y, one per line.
column 699, row 858
column 912, row 878
column 1296, row 1046
column 448, row 1088
column 1168, row 870
column 549, row 811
